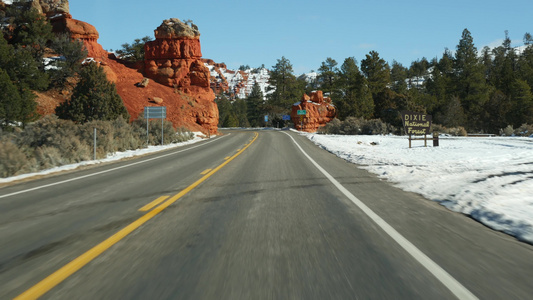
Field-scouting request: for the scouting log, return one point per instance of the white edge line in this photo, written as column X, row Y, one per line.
column 106, row 171
column 444, row 277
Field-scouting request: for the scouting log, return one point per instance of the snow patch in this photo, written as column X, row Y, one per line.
column 489, row 179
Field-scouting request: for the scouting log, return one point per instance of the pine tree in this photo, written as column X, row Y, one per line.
column 440, row 85
column 224, row 109
column 417, row 70
column 504, row 65
column 135, row 51
column 93, row 98
column 327, row 75
column 29, row 28
column 240, row 110
column 352, row 96
column 522, row 100
column 398, row 77
column 525, row 65
column 22, row 67
column 286, row 88
column 470, row 81
column 10, row 101
column 377, row 72
column 73, row 52
column 254, row 106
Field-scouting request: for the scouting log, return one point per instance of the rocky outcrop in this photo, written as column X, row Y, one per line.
column 51, row 8
column 174, row 59
column 82, row 31
column 319, row 111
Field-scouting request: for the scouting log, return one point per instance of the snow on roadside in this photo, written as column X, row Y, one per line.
column 489, row 179
column 110, row 158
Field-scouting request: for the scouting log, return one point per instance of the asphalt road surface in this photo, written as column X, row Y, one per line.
column 248, row 215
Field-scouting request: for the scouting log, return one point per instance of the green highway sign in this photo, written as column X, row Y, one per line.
column 302, row 112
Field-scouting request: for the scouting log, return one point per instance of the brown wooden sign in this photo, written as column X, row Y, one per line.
column 416, row 123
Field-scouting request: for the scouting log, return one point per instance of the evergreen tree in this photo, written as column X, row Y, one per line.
column 440, row 86
column 498, row 108
column 522, row 100
column 398, row 76
column 135, row 51
column 28, row 28
column 73, row 53
column 224, row 109
column 503, row 70
column 470, row 81
column 22, row 67
column 352, row 97
column 254, row 106
column 93, row 98
column 417, row 70
column 240, row 110
column 528, row 39
column 230, row 121
column 525, row 65
column 10, row 101
column 377, row 72
column 286, row 88
column 327, row 75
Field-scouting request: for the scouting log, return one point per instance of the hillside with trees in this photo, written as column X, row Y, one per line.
column 34, row 60
column 482, row 91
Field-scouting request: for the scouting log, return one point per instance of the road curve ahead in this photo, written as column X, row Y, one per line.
column 248, row 215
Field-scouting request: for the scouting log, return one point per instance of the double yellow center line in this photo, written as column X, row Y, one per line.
column 63, row 273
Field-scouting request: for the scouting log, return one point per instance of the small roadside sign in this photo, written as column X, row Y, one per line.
column 155, row 112
column 266, row 118
column 301, row 112
column 286, row 117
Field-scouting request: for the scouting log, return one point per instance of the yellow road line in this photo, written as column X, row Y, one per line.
column 205, row 171
column 227, row 157
column 63, row 273
column 152, row 204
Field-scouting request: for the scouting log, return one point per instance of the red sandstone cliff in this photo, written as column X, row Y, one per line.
column 319, row 111
column 173, row 61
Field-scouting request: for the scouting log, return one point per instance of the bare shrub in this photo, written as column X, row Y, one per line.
column 48, row 157
column 183, row 134
column 12, row 160
column 333, row 127
column 48, row 131
column 125, row 136
column 524, row 130
column 508, row 131
column 454, row 131
column 52, row 142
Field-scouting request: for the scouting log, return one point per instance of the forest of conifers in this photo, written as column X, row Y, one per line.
column 482, row 91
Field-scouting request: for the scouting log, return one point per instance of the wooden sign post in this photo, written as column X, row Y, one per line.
column 416, row 124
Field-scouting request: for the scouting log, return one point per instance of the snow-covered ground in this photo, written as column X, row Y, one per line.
column 111, row 157
column 489, row 179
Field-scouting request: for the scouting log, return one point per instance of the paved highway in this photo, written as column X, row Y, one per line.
column 248, row 215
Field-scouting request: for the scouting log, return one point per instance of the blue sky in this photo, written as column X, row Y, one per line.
column 307, row 32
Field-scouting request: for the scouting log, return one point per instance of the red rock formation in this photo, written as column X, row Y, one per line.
column 82, row 31
column 176, row 52
column 319, row 111
column 174, row 59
